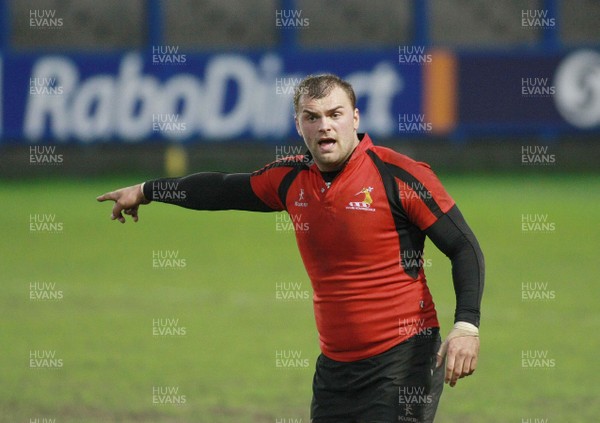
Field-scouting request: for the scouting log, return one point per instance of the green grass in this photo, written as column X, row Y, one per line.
column 225, row 299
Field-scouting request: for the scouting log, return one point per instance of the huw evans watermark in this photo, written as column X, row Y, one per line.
column 413, row 123
column 167, row 395
column 45, row 223
column 537, row 87
column 288, row 86
column 285, row 222
column 415, row 395
column 44, row 19
column 168, row 55
column 410, row 259
column 413, row 55
column 537, row 291
column 41, row 155
column 290, row 291
column 44, row 359
column 411, row 327
column 168, row 123
column 537, row 18
column 167, row 190
column 413, row 190
column 168, row 327
column 45, row 86
column 42, row 420
column 290, row 18
column 537, row 155
column 537, row 359
column 537, row 223
column 44, row 291
column 286, row 151
column 290, row 359
column 168, row 259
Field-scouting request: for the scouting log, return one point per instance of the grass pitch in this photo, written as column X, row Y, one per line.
column 212, row 356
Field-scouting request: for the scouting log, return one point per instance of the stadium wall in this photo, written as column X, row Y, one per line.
column 485, row 155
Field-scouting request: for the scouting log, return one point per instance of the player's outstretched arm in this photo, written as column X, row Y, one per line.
column 207, row 191
column 199, row 191
column 126, row 200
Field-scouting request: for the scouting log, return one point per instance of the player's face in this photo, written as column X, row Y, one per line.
column 328, row 126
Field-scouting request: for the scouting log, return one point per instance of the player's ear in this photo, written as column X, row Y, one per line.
column 297, row 125
column 356, row 118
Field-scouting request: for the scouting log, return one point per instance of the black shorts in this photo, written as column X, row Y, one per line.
column 398, row 385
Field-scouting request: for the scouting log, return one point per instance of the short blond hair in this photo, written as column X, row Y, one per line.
column 319, row 86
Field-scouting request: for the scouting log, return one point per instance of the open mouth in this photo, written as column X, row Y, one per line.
column 326, row 144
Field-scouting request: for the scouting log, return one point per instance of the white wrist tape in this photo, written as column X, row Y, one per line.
column 459, row 329
column 463, row 329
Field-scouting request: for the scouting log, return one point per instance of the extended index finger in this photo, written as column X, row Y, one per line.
column 107, row 196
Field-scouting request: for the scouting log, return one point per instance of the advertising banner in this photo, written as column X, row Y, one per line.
column 168, row 95
column 520, row 92
column 165, row 94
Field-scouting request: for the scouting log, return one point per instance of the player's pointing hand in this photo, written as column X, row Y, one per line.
column 126, row 200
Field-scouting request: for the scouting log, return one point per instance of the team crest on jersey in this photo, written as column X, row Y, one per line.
column 366, row 202
column 300, row 202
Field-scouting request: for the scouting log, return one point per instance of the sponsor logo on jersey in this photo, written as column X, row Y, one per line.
column 366, row 202
column 300, row 202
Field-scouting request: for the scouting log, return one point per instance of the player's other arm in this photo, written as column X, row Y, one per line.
column 199, row 191
column 433, row 211
column 452, row 235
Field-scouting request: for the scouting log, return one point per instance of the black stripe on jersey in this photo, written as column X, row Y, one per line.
column 412, row 239
column 286, row 182
column 422, row 193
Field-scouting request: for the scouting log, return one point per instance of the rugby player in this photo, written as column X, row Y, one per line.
column 361, row 213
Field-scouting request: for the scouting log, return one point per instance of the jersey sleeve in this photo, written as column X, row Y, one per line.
column 267, row 181
column 422, row 195
column 206, row 191
column 453, row 236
